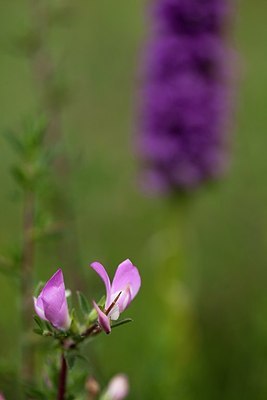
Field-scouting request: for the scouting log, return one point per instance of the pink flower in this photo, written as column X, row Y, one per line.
column 2, row 396
column 51, row 304
column 118, row 388
column 119, row 294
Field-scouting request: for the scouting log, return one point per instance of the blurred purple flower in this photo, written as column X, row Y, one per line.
column 118, row 388
column 119, row 294
column 2, row 396
column 51, row 304
column 185, row 95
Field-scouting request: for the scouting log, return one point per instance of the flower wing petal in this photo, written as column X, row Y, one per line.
column 100, row 270
column 126, row 278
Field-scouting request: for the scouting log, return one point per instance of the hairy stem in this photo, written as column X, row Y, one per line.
column 62, row 383
column 45, row 72
column 27, row 265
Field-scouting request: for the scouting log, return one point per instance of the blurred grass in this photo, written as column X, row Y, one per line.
column 226, row 232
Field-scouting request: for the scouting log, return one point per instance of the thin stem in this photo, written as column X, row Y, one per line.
column 45, row 72
column 91, row 330
column 27, row 264
column 62, row 383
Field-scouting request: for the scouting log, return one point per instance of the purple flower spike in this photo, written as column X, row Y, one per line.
column 119, row 294
column 51, row 304
column 185, row 108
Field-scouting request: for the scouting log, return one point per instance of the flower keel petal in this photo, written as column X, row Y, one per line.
column 103, row 319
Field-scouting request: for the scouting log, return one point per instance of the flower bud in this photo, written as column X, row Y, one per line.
column 92, row 387
column 51, row 304
column 118, row 388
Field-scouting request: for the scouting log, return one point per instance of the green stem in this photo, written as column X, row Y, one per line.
column 174, row 300
column 27, row 265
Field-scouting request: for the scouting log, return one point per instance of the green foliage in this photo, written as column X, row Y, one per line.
column 93, row 314
column 83, row 303
column 75, row 326
column 33, row 157
column 121, row 322
column 35, row 394
column 73, row 356
column 27, row 42
column 10, row 263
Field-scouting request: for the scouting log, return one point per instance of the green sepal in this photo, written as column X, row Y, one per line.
column 83, row 303
column 74, row 326
column 48, row 326
column 38, row 288
column 40, row 323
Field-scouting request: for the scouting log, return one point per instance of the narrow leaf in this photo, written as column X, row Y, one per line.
column 122, row 322
column 39, row 322
column 38, row 331
column 83, row 303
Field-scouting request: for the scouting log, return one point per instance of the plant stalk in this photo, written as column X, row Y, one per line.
column 62, row 383
column 27, row 264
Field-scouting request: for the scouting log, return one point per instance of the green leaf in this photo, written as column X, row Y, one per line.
column 82, row 358
column 40, row 323
column 34, row 131
column 38, row 331
column 14, row 142
column 121, row 322
column 35, row 394
column 20, row 176
column 71, row 397
column 83, row 303
column 71, row 358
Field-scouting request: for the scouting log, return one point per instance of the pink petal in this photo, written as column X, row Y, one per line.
column 51, row 304
column 39, row 309
column 118, row 387
column 58, row 317
column 127, row 280
column 103, row 319
column 100, row 270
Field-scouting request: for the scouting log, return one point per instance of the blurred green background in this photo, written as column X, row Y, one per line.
column 221, row 302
